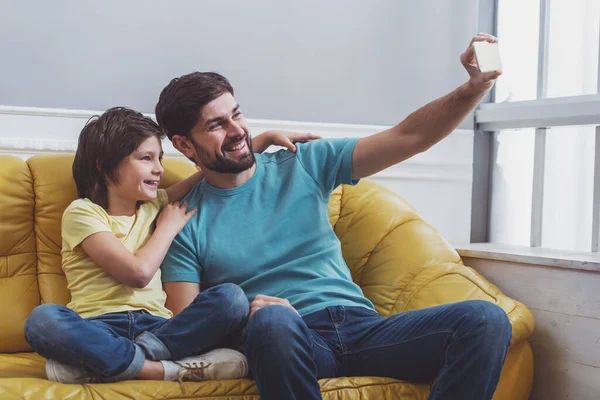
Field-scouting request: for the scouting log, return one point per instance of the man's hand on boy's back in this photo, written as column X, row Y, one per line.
column 281, row 138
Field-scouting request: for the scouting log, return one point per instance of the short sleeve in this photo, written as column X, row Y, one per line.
column 181, row 262
column 81, row 220
column 328, row 162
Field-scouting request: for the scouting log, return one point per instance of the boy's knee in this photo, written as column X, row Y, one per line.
column 232, row 292
column 42, row 321
column 234, row 300
column 42, row 316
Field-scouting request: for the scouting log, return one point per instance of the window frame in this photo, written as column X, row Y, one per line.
column 541, row 114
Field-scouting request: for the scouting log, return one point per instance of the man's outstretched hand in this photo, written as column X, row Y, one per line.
column 480, row 81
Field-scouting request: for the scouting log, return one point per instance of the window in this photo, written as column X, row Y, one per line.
column 545, row 122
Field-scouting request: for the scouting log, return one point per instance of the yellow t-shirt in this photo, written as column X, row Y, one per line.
column 94, row 291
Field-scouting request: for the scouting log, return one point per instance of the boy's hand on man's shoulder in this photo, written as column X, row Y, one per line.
column 173, row 217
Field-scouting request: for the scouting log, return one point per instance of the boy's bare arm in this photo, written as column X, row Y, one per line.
column 137, row 270
column 180, row 295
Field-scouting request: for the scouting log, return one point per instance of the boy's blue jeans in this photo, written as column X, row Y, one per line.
column 114, row 346
column 461, row 346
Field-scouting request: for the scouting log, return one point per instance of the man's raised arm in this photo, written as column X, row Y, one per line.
column 426, row 126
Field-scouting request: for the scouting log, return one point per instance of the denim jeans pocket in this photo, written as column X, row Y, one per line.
column 337, row 314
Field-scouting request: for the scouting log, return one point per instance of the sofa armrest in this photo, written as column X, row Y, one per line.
column 403, row 263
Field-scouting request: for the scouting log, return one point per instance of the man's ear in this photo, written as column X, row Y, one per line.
column 182, row 144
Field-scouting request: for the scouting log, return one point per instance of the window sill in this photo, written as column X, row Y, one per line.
column 531, row 255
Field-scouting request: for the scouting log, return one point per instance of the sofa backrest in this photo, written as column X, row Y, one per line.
column 399, row 260
column 19, row 292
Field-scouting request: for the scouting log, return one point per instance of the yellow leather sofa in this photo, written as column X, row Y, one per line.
column 401, row 262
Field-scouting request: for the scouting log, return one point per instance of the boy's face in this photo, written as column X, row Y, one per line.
column 220, row 140
column 140, row 172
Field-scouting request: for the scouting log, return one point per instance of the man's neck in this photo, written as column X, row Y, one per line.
column 229, row 181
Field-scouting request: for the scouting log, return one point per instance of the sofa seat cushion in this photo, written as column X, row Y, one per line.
column 22, row 376
column 239, row 389
column 22, row 365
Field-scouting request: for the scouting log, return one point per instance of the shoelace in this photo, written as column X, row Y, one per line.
column 192, row 371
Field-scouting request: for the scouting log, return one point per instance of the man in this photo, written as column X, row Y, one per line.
column 262, row 223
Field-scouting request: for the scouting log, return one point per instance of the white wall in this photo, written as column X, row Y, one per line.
column 340, row 61
column 437, row 182
column 347, row 61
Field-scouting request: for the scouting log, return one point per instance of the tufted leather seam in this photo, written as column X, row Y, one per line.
column 367, row 385
column 6, row 259
column 23, row 239
column 255, row 395
column 35, row 238
column 18, row 276
column 340, row 207
column 382, row 239
column 25, row 292
column 497, row 298
column 362, row 269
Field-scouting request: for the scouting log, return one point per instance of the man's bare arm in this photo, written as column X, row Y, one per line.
column 426, row 126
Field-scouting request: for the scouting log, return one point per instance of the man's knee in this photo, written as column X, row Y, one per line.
column 489, row 319
column 275, row 327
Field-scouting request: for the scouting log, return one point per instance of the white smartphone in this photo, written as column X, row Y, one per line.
column 487, row 56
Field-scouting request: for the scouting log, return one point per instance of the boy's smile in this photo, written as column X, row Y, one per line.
column 138, row 178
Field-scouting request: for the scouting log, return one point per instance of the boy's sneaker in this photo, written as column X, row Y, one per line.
column 63, row 373
column 216, row 364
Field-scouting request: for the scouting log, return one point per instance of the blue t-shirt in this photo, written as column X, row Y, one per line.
column 272, row 234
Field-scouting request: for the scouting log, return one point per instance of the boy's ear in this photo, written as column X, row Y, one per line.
column 182, row 144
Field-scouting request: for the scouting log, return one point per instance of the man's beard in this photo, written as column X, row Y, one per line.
column 220, row 163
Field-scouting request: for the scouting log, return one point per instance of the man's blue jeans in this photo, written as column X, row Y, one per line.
column 113, row 346
column 461, row 346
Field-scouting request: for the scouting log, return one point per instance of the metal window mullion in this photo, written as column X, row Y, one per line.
column 596, row 206
column 539, row 155
column 543, row 45
column 537, row 197
column 596, row 199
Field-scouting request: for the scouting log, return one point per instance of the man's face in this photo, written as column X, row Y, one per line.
column 221, row 138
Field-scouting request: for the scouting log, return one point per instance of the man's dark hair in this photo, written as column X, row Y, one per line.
column 104, row 142
column 181, row 101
